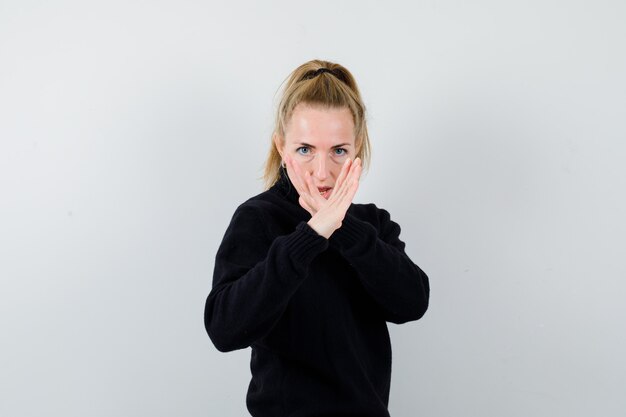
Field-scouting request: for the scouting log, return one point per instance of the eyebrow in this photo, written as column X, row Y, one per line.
column 334, row 146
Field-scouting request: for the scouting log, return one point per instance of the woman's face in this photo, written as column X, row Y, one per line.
column 319, row 140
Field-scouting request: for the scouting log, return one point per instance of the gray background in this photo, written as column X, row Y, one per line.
column 130, row 131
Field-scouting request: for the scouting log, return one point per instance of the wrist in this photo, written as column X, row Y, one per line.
column 313, row 224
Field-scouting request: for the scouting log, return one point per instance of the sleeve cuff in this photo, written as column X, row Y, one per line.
column 355, row 237
column 305, row 243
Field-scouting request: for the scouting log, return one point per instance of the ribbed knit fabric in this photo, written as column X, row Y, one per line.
column 313, row 310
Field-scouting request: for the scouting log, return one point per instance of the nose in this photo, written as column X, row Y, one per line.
column 320, row 170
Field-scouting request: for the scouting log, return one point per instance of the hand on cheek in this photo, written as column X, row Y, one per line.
column 310, row 198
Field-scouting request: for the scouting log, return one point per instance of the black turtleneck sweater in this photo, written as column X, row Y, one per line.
column 314, row 310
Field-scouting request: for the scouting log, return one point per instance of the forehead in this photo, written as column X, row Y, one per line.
column 320, row 125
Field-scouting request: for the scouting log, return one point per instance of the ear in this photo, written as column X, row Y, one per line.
column 278, row 142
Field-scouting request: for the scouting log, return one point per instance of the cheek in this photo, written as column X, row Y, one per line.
column 300, row 165
column 335, row 171
column 300, row 168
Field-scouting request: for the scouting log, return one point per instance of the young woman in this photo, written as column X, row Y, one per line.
column 307, row 278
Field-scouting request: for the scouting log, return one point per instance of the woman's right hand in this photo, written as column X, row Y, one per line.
column 327, row 215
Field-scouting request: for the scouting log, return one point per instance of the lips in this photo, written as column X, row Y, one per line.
column 324, row 192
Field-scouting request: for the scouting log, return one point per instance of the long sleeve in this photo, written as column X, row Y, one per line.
column 254, row 278
column 397, row 285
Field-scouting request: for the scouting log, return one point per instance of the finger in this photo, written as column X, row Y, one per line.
column 306, row 187
column 297, row 180
column 351, row 185
column 342, row 176
column 355, row 169
column 348, row 176
column 341, row 179
column 357, row 177
column 305, row 193
column 313, row 191
column 305, row 205
column 349, row 194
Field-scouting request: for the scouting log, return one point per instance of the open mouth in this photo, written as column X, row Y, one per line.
column 324, row 191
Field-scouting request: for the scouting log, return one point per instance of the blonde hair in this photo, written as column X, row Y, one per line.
column 318, row 83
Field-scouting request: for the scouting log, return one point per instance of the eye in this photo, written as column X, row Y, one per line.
column 340, row 152
column 303, row 148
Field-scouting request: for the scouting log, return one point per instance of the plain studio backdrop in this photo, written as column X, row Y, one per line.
column 131, row 130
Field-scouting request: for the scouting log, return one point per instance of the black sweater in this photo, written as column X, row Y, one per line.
column 314, row 310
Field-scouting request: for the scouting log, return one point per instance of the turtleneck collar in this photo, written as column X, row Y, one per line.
column 285, row 187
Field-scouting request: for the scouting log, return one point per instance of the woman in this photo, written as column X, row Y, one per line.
column 305, row 277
